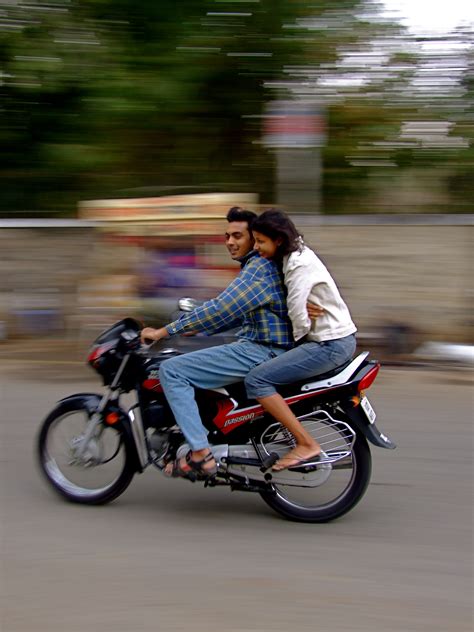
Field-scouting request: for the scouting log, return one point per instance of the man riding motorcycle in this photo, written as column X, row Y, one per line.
column 255, row 300
column 90, row 448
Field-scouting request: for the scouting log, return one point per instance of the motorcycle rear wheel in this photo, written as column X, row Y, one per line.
column 110, row 470
column 282, row 497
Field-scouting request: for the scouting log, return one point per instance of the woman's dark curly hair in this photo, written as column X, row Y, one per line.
column 276, row 224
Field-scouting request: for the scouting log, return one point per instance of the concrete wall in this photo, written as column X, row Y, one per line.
column 404, row 270
column 419, row 275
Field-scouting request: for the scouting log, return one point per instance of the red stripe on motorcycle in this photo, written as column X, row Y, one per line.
column 153, row 385
column 227, row 422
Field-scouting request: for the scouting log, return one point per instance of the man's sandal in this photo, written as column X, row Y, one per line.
column 196, row 469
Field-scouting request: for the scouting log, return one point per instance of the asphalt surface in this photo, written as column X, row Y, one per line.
column 169, row 555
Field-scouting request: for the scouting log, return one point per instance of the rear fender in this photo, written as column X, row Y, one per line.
column 370, row 431
column 91, row 401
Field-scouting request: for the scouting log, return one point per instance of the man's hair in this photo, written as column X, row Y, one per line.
column 237, row 214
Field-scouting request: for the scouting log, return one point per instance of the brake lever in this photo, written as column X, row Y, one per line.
column 145, row 347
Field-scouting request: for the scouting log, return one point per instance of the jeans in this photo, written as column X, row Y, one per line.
column 306, row 360
column 207, row 368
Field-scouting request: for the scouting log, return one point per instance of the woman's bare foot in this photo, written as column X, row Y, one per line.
column 296, row 456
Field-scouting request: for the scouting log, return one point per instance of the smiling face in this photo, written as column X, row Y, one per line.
column 238, row 239
column 265, row 246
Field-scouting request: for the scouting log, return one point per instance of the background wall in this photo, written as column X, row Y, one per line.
column 393, row 273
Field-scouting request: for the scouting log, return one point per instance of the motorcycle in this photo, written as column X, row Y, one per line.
column 90, row 446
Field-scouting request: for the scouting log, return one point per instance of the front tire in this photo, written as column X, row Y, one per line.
column 110, row 468
column 361, row 466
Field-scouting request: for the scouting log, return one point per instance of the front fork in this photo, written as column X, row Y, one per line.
column 92, row 425
column 131, row 428
column 97, row 417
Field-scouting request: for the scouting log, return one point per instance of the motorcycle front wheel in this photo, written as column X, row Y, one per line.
column 104, row 471
column 343, row 489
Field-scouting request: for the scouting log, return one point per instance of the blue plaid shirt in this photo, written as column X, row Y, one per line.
column 254, row 299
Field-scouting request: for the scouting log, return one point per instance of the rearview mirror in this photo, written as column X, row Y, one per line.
column 188, row 304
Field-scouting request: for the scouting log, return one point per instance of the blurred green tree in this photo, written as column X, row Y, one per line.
column 112, row 98
column 104, row 96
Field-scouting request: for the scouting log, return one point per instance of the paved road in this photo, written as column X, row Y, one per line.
column 171, row 556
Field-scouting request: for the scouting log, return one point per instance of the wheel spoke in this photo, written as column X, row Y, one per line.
column 93, row 475
column 334, row 485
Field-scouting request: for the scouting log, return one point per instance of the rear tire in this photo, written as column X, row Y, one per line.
column 63, row 476
column 335, row 508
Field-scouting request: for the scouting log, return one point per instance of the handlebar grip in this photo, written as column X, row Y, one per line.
column 146, row 346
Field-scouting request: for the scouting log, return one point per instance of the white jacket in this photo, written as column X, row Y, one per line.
column 308, row 279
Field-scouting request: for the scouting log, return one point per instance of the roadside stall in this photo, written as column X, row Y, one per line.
column 151, row 251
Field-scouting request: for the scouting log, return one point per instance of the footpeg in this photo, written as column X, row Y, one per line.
column 269, row 461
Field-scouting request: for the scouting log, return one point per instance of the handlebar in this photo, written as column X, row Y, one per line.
column 132, row 342
column 145, row 347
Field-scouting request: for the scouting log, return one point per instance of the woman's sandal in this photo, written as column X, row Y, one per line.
column 196, row 470
column 295, row 460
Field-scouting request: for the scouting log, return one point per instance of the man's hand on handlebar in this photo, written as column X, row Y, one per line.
column 149, row 335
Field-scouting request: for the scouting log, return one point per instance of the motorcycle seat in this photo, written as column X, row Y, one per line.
column 237, row 390
column 288, row 389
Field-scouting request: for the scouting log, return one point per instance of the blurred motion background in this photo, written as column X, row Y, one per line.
column 128, row 129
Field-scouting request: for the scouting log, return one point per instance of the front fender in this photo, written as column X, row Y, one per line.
column 91, row 401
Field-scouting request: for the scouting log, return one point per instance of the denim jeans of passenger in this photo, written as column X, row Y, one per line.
column 210, row 368
column 303, row 361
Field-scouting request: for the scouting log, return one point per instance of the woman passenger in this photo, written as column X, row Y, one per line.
column 323, row 343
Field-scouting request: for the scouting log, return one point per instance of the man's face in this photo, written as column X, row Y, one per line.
column 238, row 239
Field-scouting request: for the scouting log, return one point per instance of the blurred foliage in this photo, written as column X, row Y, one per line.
column 106, row 98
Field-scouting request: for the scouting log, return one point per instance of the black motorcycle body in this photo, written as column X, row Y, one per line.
column 90, row 446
